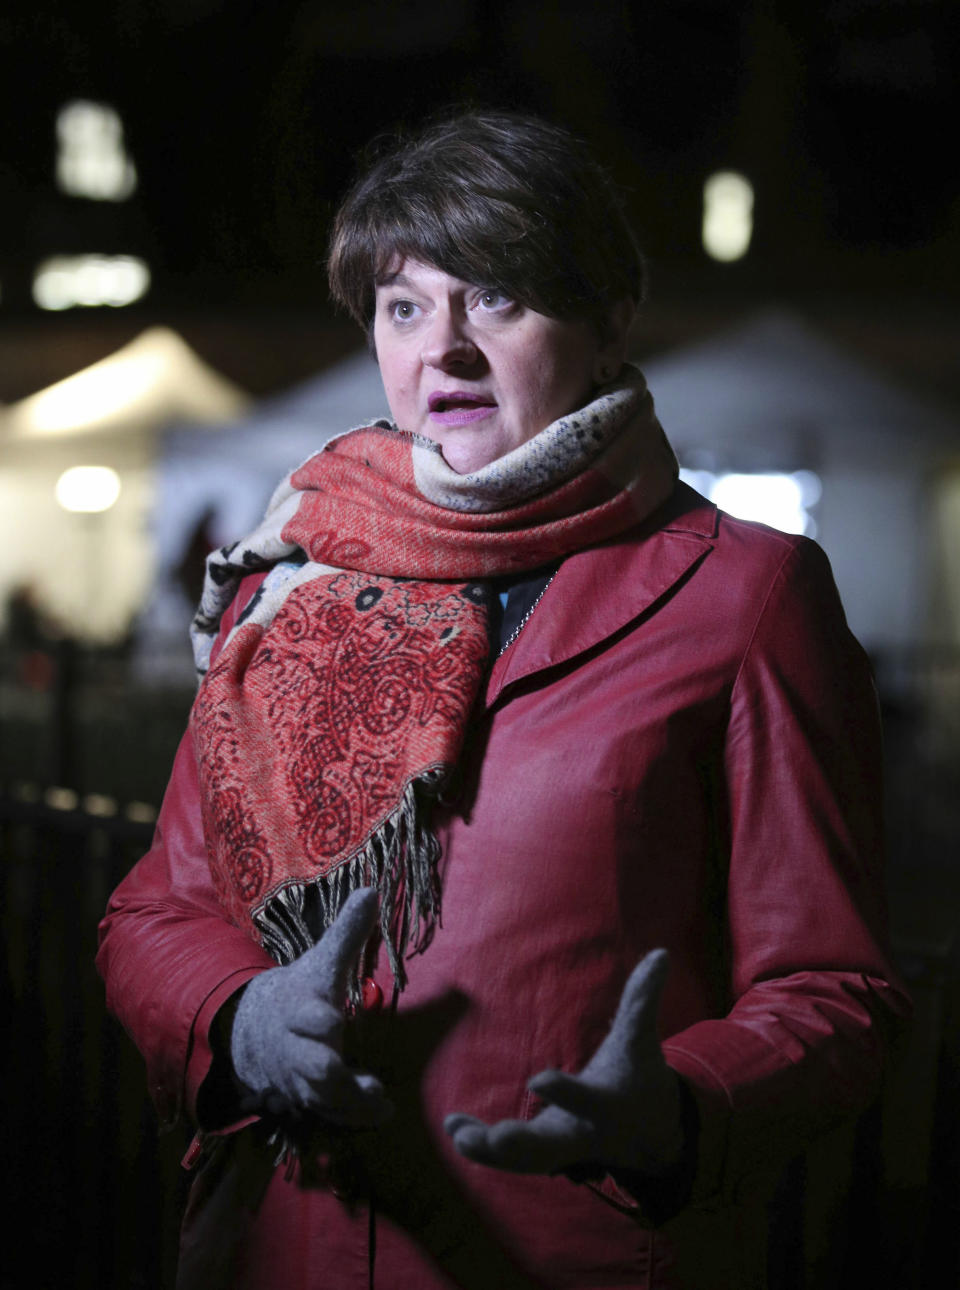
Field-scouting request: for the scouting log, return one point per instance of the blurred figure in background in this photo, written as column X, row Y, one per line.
column 33, row 638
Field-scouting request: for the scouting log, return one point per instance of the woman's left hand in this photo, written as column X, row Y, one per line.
column 622, row 1111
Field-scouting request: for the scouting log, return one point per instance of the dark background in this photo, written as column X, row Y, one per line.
column 244, row 121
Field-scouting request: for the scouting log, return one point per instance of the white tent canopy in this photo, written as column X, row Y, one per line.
column 774, row 395
column 92, row 573
column 153, row 381
column 774, row 390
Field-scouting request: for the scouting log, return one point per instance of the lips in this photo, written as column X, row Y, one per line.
column 454, row 400
column 459, row 407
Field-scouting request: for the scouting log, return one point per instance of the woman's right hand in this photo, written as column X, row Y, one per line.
column 286, row 1038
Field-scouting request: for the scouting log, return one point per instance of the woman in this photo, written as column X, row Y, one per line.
column 496, row 713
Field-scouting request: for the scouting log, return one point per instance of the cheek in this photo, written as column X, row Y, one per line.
column 395, row 383
column 566, row 381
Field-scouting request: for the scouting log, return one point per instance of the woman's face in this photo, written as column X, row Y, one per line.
column 474, row 370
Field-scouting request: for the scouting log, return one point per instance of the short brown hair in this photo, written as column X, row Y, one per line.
column 495, row 198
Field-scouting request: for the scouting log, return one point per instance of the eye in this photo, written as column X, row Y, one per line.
column 493, row 298
column 402, row 310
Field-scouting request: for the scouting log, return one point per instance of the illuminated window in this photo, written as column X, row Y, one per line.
column 92, row 160
column 88, row 488
column 782, row 500
column 65, row 281
column 727, row 215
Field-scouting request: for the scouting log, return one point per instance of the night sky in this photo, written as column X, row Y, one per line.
column 244, row 120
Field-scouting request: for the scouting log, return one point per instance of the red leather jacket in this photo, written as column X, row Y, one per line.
column 679, row 749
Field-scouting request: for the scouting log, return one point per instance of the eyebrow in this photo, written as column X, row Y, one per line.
column 393, row 280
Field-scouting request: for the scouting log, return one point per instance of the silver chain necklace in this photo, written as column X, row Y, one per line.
column 526, row 617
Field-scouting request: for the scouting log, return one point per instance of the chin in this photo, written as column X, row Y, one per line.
column 465, row 464
column 465, row 458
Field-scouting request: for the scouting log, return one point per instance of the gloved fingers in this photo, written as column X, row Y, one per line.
column 316, row 1062
column 635, row 1024
column 640, row 1129
column 324, row 1084
column 352, row 1103
column 472, row 1138
column 458, row 1120
column 520, row 1146
column 319, row 1020
column 570, row 1093
column 313, row 1078
column 339, row 947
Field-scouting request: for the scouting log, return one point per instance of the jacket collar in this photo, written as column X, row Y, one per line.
column 597, row 592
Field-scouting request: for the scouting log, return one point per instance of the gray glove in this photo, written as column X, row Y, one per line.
column 623, row 1111
column 286, row 1038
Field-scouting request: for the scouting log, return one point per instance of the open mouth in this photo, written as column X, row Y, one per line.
column 459, row 407
column 458, row 401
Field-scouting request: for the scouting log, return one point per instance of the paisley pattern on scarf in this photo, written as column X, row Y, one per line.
column 311, row 734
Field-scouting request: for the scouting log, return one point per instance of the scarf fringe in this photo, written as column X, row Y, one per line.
column 400, row 859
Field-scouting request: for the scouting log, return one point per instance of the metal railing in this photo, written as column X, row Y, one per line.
column 92, row 1193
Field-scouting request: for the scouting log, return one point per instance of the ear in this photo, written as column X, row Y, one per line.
column 614, row 332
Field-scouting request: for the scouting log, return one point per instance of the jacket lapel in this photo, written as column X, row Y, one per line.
column 597, row 592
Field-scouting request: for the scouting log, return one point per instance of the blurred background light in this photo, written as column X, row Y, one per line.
column 781, row 499
column 68, row 281
column 727, row 215
column 92, row 160
column 91, row 396
column 88, row 488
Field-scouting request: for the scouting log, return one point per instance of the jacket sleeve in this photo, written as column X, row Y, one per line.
column 167, row 954
column 815, row 1002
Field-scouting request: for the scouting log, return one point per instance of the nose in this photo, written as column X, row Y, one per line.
column 447, row 343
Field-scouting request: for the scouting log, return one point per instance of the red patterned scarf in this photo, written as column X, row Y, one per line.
column 338, row 705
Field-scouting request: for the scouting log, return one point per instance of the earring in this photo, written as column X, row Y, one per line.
column 603, row 374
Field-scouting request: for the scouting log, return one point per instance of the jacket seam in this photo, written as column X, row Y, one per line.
column 761, row 613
